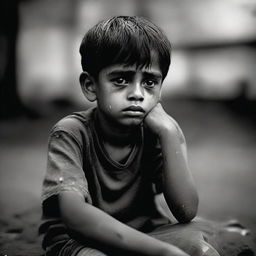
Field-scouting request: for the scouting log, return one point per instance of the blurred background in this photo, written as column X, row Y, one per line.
column 210, row 90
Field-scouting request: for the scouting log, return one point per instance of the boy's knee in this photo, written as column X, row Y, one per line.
column 204, row 249
column 196, row 245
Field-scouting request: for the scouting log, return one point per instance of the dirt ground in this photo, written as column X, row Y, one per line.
column 222, row 156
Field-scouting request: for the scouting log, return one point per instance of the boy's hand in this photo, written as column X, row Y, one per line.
column 159, row 121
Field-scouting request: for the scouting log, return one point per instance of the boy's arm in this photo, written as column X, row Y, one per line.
column 97, row 229
column 178, row 184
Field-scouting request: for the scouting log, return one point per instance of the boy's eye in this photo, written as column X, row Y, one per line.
column 149, row 83
column 120, row 81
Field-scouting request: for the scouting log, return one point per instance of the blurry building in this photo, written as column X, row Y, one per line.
column 214, row 45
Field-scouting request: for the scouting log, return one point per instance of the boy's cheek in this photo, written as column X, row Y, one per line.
column 154, row 105
column 154, row 100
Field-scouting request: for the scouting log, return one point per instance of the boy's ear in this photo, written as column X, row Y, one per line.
column 87, row 83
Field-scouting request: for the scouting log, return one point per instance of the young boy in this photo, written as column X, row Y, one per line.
column 106, row 164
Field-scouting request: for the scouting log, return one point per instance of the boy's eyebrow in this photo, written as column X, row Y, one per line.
column 121, row 72
column 154, row 74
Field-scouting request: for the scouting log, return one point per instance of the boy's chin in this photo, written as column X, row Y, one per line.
column 132, row 122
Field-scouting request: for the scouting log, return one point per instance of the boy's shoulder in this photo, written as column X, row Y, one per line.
column 75, row 123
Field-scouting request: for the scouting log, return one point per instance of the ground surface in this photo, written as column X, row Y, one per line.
column 222, row 156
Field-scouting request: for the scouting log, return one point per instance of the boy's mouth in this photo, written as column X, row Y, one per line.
column 134, row 110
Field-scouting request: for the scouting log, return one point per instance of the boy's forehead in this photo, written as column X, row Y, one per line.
column 153, row 69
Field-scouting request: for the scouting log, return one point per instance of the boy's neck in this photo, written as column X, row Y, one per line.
column 113, row 134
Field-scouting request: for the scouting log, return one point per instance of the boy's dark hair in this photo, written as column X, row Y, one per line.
column 125, row 40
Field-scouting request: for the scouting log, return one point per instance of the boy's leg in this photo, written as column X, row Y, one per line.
column 89, row 252
column 188, row 237
column 73, row 248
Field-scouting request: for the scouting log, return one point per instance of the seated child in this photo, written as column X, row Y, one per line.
column 107, row 164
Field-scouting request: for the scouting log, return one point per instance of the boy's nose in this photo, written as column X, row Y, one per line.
column 136, row 93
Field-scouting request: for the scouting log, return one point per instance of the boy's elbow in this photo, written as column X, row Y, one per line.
column 186, row 212
column 185, row 216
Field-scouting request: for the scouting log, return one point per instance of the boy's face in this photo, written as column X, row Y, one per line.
column 126, row 94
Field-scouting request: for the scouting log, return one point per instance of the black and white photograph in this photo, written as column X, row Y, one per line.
column 127, row 128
